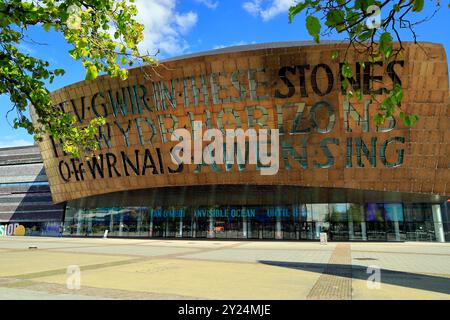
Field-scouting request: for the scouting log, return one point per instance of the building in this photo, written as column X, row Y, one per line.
column 25, row 193
column 331, row 168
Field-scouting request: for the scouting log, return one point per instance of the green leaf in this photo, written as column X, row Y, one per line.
column 91, row 72
column 379, row 118
column 123, row 74
column 359, row 94
column 335, row 55
column 347, row 71
column 313, row 26
column 365, row 35
column 294, row 10
column 418, row 5
column 388, row 52
column 385, row 38
column 358, row 4
column 376, row 56
column 407, row 121
column 334, row 18
column 59, row 72
column 364, row 4
column 397, row 94
column 386, row 44
column 27, row 76
column 344, row 84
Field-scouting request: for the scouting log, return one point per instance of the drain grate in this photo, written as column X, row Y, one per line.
column 365, row 259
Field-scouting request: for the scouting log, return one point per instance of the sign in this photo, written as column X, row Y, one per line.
column 142, row 119
column 12, row 229
column 324, row 138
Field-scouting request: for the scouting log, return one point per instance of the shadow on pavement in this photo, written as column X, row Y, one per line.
column 398, row 278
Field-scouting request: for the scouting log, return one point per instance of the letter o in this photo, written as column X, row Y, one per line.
column 331, row 118
column 237, row 119
column 66, row 177
column 10, row 229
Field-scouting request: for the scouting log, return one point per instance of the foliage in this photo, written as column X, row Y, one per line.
column 105, row 38
column 368, row 33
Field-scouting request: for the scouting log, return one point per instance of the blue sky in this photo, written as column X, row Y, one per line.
column 184, row 26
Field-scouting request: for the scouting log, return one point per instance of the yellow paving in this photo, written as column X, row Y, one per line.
column 34, row 261
column 204, row 279
column 133, row 269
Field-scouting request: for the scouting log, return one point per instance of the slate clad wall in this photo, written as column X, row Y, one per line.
column 24, row 190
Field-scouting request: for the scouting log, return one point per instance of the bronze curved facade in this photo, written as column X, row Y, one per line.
column 269, row 87
column 326, row 140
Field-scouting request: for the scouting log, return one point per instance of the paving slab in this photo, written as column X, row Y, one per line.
column 190, row 269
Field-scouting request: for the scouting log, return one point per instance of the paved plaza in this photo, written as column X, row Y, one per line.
column 39, row 268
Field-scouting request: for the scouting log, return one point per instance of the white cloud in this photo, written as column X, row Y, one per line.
column 14, row 143
column 164, row 26
column 253, row 7
column 270, row 10
column 209, row 3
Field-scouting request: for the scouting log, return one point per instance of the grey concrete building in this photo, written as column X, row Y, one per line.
column 25, row 196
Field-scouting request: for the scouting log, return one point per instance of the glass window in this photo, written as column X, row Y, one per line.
column 338, row 212
column 100, row 221
column 394, row 211
column 341, row 221
column 320, row 212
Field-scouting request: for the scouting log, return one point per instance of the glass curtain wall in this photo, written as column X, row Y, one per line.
column 341, row 221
